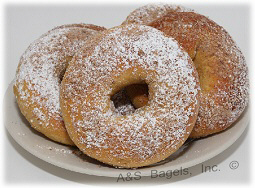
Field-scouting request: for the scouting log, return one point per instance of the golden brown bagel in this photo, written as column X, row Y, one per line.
column 114, row 59
column 39, row 75
column 221, row 66
column 148, row 13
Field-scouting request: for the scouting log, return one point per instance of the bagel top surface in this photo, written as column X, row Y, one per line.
column 40, row 72
column 116, row 58
column 148, row 13
column 221, row 66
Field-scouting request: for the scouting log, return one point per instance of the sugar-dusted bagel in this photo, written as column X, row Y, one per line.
column 114, row 59
column 221, row 67
column 39, row 75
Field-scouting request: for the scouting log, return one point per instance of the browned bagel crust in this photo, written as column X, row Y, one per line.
column 39, row 75
column 220, row 64
column 148, row 13
column 118, row 57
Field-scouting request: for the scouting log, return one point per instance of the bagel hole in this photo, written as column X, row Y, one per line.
column 130, row 98
column 138, row 94
column 122, row 104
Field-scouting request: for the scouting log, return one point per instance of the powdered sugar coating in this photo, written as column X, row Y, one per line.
column 148, row 135
column 41, row 69
column 150, row 12
column 220, row 64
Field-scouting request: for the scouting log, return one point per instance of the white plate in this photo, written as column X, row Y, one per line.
column 70, row 158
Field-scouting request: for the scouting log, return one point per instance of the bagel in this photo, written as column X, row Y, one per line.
column 112, row 60
column 221, row 67
column 148, row 13
column 39, row 75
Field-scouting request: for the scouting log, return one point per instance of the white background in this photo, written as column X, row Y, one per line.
column 23, row 23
